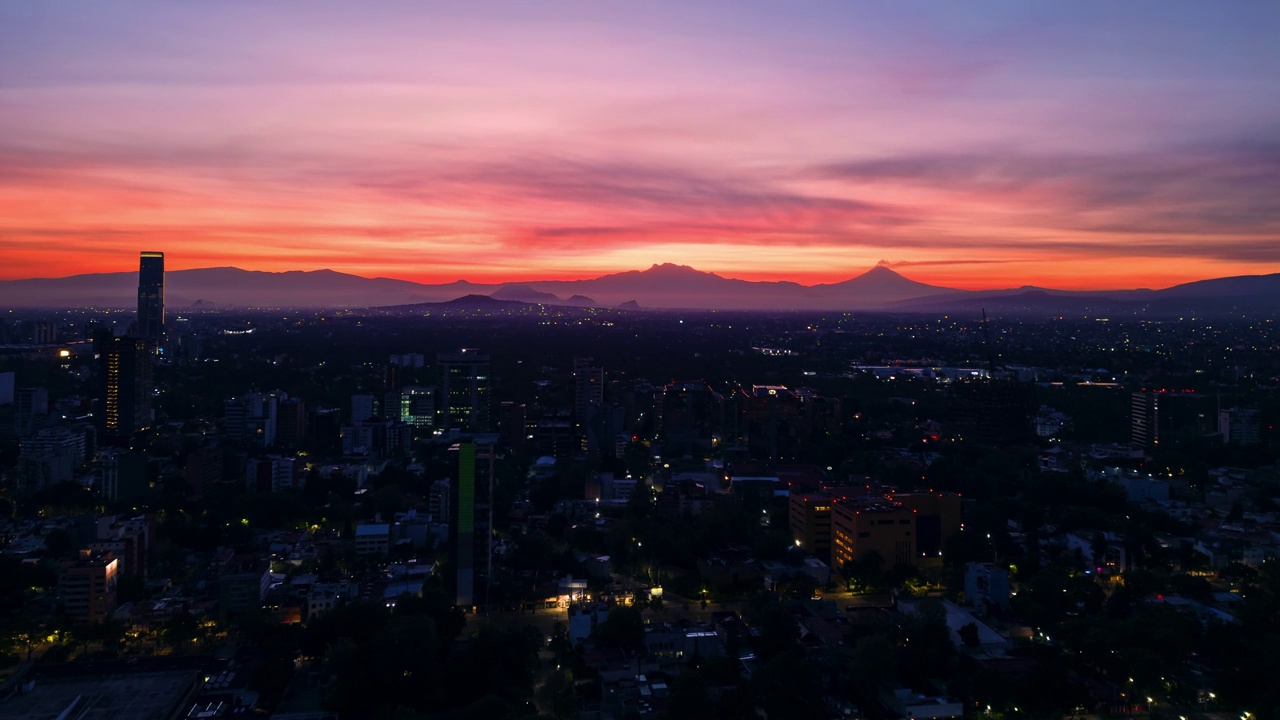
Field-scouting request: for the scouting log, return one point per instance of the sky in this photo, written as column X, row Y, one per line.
column 1076, row 145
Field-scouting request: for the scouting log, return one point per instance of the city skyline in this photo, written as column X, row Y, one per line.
column 1075, row 147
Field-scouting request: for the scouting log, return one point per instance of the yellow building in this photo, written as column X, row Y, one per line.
column 810, row 519
column 880, row 525
column 937, row 519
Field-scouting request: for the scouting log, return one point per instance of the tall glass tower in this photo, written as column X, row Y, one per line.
column 464, row 389
column 151, row 298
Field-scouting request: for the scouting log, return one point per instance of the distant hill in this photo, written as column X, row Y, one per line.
column 229, row 287
column 661, row 286
column 524, row 293
column 1252, row 295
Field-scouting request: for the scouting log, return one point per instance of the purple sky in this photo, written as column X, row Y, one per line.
column 1072, row 144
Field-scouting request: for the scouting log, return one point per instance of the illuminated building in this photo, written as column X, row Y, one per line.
column 1144, row 419
column 938, row 517
column 151, row 298
column 124, row 385
column 881, row 526
column 89, row 586
column 471, row 521
column 418, row 406
column 810, row 520
column 464, row 389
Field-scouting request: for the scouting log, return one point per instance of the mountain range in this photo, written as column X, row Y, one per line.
column 661, row 286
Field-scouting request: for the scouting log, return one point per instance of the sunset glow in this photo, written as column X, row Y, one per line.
column 1070, row 145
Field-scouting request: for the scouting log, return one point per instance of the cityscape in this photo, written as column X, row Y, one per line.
column 493, row 360
column 496, row 508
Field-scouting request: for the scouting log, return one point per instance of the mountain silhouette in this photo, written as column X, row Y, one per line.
column 665, row 285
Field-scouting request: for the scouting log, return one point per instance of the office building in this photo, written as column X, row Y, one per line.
column 513, row 429
column 464, row 389
column 242, row 582
column 124, row 385
column 588, row 393
column 363, row 407
column 291, row 422
column 418, row 406
column 204, row 469
column 874, row 525
column 373, row 539
column 810, row 519
column 606, row 432
column 991, row 411
column 123, row 477
column 255, row 418
column 691, row 416
column 31, row 410
column 938, row 519
column 151, row 298
column 88, row 586
column 46, row 460
column 1144, row 419
column 1239, row 426
column 471, row 522
column 274, row 473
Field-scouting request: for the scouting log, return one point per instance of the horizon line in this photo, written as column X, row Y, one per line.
column 581, row 278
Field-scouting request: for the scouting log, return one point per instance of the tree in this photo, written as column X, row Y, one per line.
column 926, row 648
column 872, row 666
column 689, row 699
column 181, row 630
column 788, row 686
column 778, row 629
column 58, row 542
column 623, row 629
column 555, row 697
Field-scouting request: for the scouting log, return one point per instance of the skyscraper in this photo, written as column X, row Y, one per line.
column 1144, row 419
column 124, row 385
column 471, row 522
column 464, row 389
column 588, row 394
column 151, row 298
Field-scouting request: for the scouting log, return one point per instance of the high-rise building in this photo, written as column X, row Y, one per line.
column 255, row 418
column 1239, row 426
column 810, row 519
column 6, row 387
column 291, row 422
column 89, row 586
column 511, row 426
column 471, row 522
column 31, row 410
column 151, row 298
column 1144, row 419
column 418, row 406
column 124, row 385
column 464, row 389
column 124, row 477
column 588, row 393
column 363, row 407
column 204, row 469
